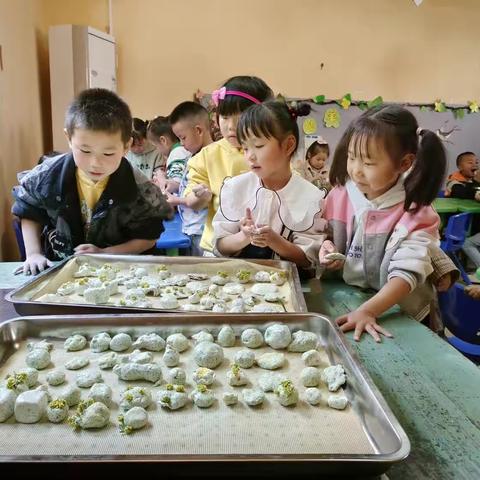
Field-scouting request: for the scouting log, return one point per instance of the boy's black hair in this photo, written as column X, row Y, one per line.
column 272, row 119
column 188, row 111
column 396, row 129
column 139, row 129
column 161, row 127
column 233, row 104
column 460, row 157
column 100, row 110
column 316, row 147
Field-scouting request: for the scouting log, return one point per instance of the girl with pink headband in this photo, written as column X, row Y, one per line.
column 224, row 158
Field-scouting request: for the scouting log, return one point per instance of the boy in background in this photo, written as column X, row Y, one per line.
column 190, row 123
column 161, row 135
column 462, row 183
column 90, row 200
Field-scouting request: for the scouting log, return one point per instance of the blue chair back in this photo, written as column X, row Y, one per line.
column 456, row 232
column 173, row 237
column 17, row 228
column 461, row 316
column 441, row 194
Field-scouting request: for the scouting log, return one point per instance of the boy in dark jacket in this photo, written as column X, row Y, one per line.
column 90, row 200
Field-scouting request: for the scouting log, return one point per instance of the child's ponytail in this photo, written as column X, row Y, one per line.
column 425, row 179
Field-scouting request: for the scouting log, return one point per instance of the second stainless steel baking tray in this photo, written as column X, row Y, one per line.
column 25, row 301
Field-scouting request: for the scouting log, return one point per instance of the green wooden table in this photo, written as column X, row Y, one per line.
column 454, row 205
column 433, row 390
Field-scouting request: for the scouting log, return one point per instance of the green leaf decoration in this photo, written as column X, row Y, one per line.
column 459, row 113
column 440, row 106
column 424, row 108
column 362, row 106
column 376, row 102
column 319, row 99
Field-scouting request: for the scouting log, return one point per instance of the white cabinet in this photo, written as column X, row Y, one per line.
column 80, row 57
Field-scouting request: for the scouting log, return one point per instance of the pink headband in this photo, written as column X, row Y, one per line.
column 219, row 94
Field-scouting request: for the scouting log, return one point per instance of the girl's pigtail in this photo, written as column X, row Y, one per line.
column 299, row 109
column 424, row 181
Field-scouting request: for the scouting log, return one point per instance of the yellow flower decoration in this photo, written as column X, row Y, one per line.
column 309, row 126
column 473, row 106
column 345, row 103
column 332, row 118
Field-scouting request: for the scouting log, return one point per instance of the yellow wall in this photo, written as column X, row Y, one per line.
column 169, row 48
column 368, row 47
column 20, row 111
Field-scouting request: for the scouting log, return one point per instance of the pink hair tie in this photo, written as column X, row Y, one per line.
column 220, row 94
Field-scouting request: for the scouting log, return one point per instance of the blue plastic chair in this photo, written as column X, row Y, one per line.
column 17, row 228
column 454, row 238
column 173, row 238
column 461, row 316
column 441, row 194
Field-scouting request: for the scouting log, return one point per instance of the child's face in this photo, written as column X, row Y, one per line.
column 98, row 154
column 318, row 160
column 468, row 165
column 228, row 128
column 162, row 144
column 190, row 135
column 268, row 158
column 138, row 145
column 376, row 174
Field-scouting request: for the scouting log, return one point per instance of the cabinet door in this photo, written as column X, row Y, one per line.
column 101, row 63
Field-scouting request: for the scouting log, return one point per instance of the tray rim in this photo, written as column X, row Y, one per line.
column 377, row 458
column 21, row 304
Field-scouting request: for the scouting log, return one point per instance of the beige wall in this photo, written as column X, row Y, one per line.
column 20, row 112
column 168, row 48
column 368, row 47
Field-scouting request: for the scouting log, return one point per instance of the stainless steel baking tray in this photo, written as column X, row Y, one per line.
column 386, row 440
column 24, row 304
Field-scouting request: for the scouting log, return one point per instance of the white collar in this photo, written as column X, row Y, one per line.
column 295, row 205
column 360, row 203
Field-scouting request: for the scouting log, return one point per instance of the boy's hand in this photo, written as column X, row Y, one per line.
column 35, row 263
column 362, row 321
column 160, row 180
column 444, row 283
column 203, row 192
column 473, row 291
column 265, row 237
column 326, row 248
column 87, row 248
column 173, row 199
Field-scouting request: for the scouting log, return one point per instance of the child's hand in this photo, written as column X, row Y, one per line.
column 362, row 321
column 444, row 283
column 160, row 180
column 247, row 224
column 35, row 263
column 326, row 248
column 173, row 199
column 264, row 237
column 87, row 248
column 473, row 291
column 203, row 192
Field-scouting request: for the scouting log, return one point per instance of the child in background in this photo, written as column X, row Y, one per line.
column 381, row 219
column 269, row 212
column 313, row 169
column 142, row 153
column 90, row 200
column 208, row 169
column 191, row 124
column 462, row 184
column 161, row 135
